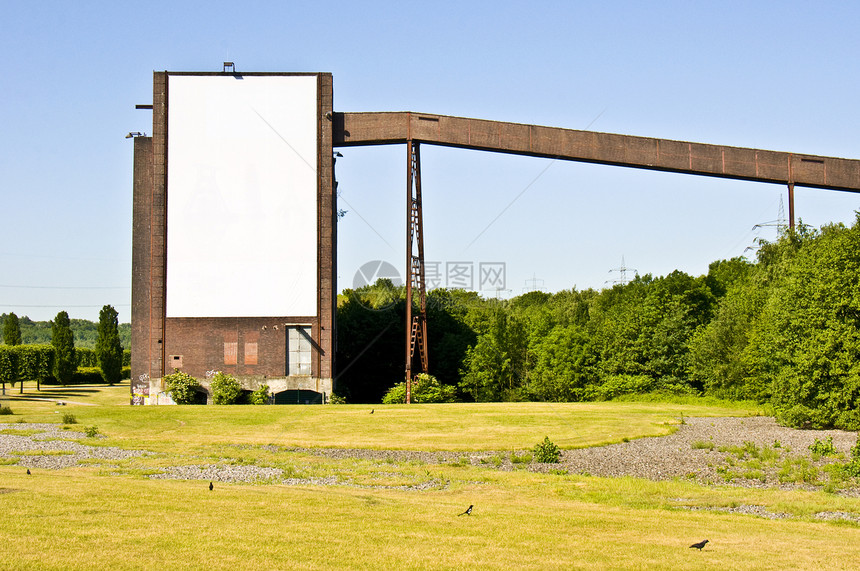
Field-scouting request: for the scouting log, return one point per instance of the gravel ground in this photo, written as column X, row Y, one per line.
column 674, row 456
column 658, row 458
column 50, row 440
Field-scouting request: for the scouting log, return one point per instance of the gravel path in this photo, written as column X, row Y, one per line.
column 658, row 458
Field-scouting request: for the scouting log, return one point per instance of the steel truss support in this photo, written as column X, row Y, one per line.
column 416, row 322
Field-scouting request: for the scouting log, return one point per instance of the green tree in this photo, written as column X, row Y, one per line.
column 11, row 330
column 807, row 342
column 63, row 341
column 561, row 371
column 108, row 347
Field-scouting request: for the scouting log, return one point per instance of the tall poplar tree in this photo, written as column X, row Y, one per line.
column 108, row 346
column 63, row 341
column 12, row 330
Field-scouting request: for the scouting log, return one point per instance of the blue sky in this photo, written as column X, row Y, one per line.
column 772, row 75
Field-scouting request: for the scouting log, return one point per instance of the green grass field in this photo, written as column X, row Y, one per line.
column 109, row 515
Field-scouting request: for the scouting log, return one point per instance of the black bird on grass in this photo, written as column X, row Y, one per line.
column 211, row 486
column 28, row 471
column 467, row 512
column 371, row 411
column 699, row 545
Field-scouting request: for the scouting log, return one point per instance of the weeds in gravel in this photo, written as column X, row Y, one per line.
column 825, row 448
column 523, row 458
column 703, row 445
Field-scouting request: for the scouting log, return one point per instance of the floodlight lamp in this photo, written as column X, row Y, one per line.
column 229, row 64
column 134, row 134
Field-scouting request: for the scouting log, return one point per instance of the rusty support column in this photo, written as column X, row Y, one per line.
column 791, row 205
column 416, row 324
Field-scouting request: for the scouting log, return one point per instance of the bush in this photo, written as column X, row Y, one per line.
column 616, row 385
column 126, row 373
column 86, row 357
column 69, row 418
column 546, row 452
column 425, row 389
column 91, row 431
column 5, row 410
column 823, row 448
column 336, row 399
column 183, row 387
column 226, row 389
column 260, row 396
column 87, row 376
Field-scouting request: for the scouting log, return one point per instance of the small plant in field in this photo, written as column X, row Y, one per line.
column 825, row 448
column 91, row 431
column 523, row 458
column 336, row 399
column 777, row 444
column 546, row 452
column 852, row 467
column 702, row 445
column 69, row 418
column 558, row 472
column 798, row 470
column 5, row 410
column 461, row 461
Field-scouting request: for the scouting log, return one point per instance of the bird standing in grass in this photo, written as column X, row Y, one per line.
column 211, row 486
column 467, row 512
column 28, row 471
column 699, row 545
column 371, row 411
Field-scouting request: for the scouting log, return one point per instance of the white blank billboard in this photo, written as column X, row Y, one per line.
column 241, row 196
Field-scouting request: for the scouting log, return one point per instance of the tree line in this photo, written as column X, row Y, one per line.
column 783, row 329
column 61, row 359
column 85, row 331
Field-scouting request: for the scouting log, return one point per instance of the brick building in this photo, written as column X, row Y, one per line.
column 234, row 234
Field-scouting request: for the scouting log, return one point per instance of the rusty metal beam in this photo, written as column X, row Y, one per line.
column 758, row 165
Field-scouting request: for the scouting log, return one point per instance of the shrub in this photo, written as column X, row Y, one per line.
column 86, row 357
column 5, row 410
column 546, row 452
column 87, row 376
column 91, row 431
column 826, row 448
column 853, row 466
column 260, row 396
column 425, row 388
column 69, row 418
column 183, row 387
column 336, row 399
column 226, row 389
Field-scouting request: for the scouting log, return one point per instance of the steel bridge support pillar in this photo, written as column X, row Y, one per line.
column 416, row 322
